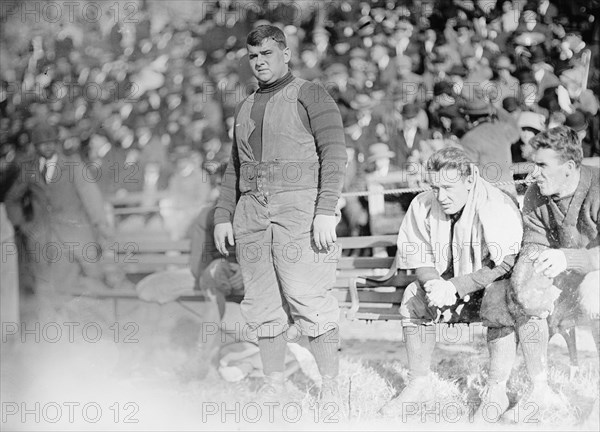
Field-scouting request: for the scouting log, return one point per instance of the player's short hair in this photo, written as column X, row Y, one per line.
column 450, row 158
column 563, row 140
column 260, row 33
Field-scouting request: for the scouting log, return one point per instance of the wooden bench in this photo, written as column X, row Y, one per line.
column 367, row 287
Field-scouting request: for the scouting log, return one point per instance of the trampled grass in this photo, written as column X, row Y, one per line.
column 160, row 383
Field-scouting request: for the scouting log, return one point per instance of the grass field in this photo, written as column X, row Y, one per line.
column 143, row 374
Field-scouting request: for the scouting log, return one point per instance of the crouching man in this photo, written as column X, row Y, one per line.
column 460, row 238
column 218, row 276
column 556, row 277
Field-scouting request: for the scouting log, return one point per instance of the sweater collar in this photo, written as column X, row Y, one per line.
column 585, row 182
column 277, row 85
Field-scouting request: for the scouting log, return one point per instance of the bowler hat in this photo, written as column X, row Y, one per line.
column 577, row 121
column 443, row 87
column 459, row 70
column 475, row 107
column 449, row 112
column 458, row 126
column 537, row 55
column 379, row 151
column 525, row 76
column 463, row 23
column 550, row 100
column 510, row 103
column 43, row 132
column 409, row 111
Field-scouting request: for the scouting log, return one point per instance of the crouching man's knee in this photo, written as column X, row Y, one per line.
column 216, row 277
column 589, row 294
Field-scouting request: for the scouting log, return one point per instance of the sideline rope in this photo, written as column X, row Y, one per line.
column 401, row 191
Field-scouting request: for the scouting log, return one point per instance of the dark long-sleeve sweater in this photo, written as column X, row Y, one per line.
column 570, row 223
column 320, row 115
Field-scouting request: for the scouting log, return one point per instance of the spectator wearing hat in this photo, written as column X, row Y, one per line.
column 444, row 99
column 531, row 31
column 407, row 139
column 496, row 36
column 479, row 70
column 547, row 11
column 386, row 211
column 528, row 92
column 398, row 66
column 337, row 85
column 309, row 68
column 457, row 75
column 579, row 123
column 447, row 116
column 502, row 84
column 363, row 73
column 572, row 90
column 549, row 100
column 458, row 128
column 511, row 105
column 462, row 38
column 443, row 93
column 530, row 124
column 379, row 160
column 542, row 71
column 402, row 81
column 573, row 97
column 488, row 142
column 67, row 224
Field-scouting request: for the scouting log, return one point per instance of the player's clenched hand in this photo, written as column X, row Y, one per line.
column 551, row 263
column 440, row 292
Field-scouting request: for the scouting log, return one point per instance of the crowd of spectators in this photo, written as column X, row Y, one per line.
column 147, row 92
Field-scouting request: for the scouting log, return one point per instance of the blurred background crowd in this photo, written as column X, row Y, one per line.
column 146, row 90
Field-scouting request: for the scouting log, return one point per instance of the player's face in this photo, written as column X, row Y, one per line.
column 550, row 172
column 451, row 189
column 268, row 61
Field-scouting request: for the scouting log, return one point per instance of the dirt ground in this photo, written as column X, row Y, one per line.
column 145, row 369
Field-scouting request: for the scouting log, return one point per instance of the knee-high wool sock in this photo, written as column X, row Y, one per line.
column 325, row 349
